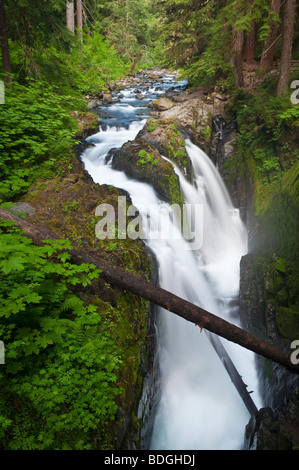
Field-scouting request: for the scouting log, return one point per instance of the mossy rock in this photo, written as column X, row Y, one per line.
column 165, row 135
column 87, row 123
column 288, row 322
column 280, row 265
column 143, row 162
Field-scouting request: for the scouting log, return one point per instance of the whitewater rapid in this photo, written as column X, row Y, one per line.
column 198, row 406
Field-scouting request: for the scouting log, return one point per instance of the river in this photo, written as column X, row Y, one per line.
column 198, row 406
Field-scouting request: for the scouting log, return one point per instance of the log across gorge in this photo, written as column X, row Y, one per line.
column 149, row 291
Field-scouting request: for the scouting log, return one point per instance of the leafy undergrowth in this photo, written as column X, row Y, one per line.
column 58, row 384
column 78, row 341
column 36, row 136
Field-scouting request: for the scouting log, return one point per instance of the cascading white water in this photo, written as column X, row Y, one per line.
column 199, row 407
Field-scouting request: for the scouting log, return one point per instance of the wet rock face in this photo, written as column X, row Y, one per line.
column 268, row 430
column 263, row 286
column 263, row 432
column 266, row 286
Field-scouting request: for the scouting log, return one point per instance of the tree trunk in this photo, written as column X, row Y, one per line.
column 79, row 17
column 4, row 44
column 297, row 34
column 249, row 45
column 271, row 41
column 70, row 16
column 237, row 58
column 148, row 291
column 134, row 62
column 287, row 44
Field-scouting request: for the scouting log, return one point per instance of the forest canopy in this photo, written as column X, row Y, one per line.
column 79, row 45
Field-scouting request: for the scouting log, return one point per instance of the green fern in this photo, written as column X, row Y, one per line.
column 61, row 364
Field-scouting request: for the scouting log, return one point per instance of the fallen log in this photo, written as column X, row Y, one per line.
column 232, row 372
column 171, row 302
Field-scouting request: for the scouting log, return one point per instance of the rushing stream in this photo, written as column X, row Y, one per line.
column 198, row 407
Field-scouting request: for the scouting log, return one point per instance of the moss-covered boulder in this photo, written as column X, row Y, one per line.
column 143, row 162
column 87, row 123
column 166, row 136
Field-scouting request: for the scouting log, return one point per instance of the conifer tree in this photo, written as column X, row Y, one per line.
column 79, row 17
column 127, row 27
column 70, row 16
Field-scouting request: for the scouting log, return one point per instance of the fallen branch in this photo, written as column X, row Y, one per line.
column 141, row 287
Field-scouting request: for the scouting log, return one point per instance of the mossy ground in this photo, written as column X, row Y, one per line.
column 66, row 205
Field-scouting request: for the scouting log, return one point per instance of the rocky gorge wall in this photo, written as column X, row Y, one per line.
column 268, row 287
column 269, row 273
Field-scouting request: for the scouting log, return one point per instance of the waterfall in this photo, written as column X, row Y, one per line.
column 198, row 406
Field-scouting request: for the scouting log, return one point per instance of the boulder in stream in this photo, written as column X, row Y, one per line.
column 143, row 162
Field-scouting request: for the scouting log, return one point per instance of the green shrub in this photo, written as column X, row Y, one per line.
column 36, row 135
column 58, row 382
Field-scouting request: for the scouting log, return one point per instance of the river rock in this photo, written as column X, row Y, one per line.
column 107, row 99
column 139, row 96
column 92, row 104
column 87, row 123
column 162, row 104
